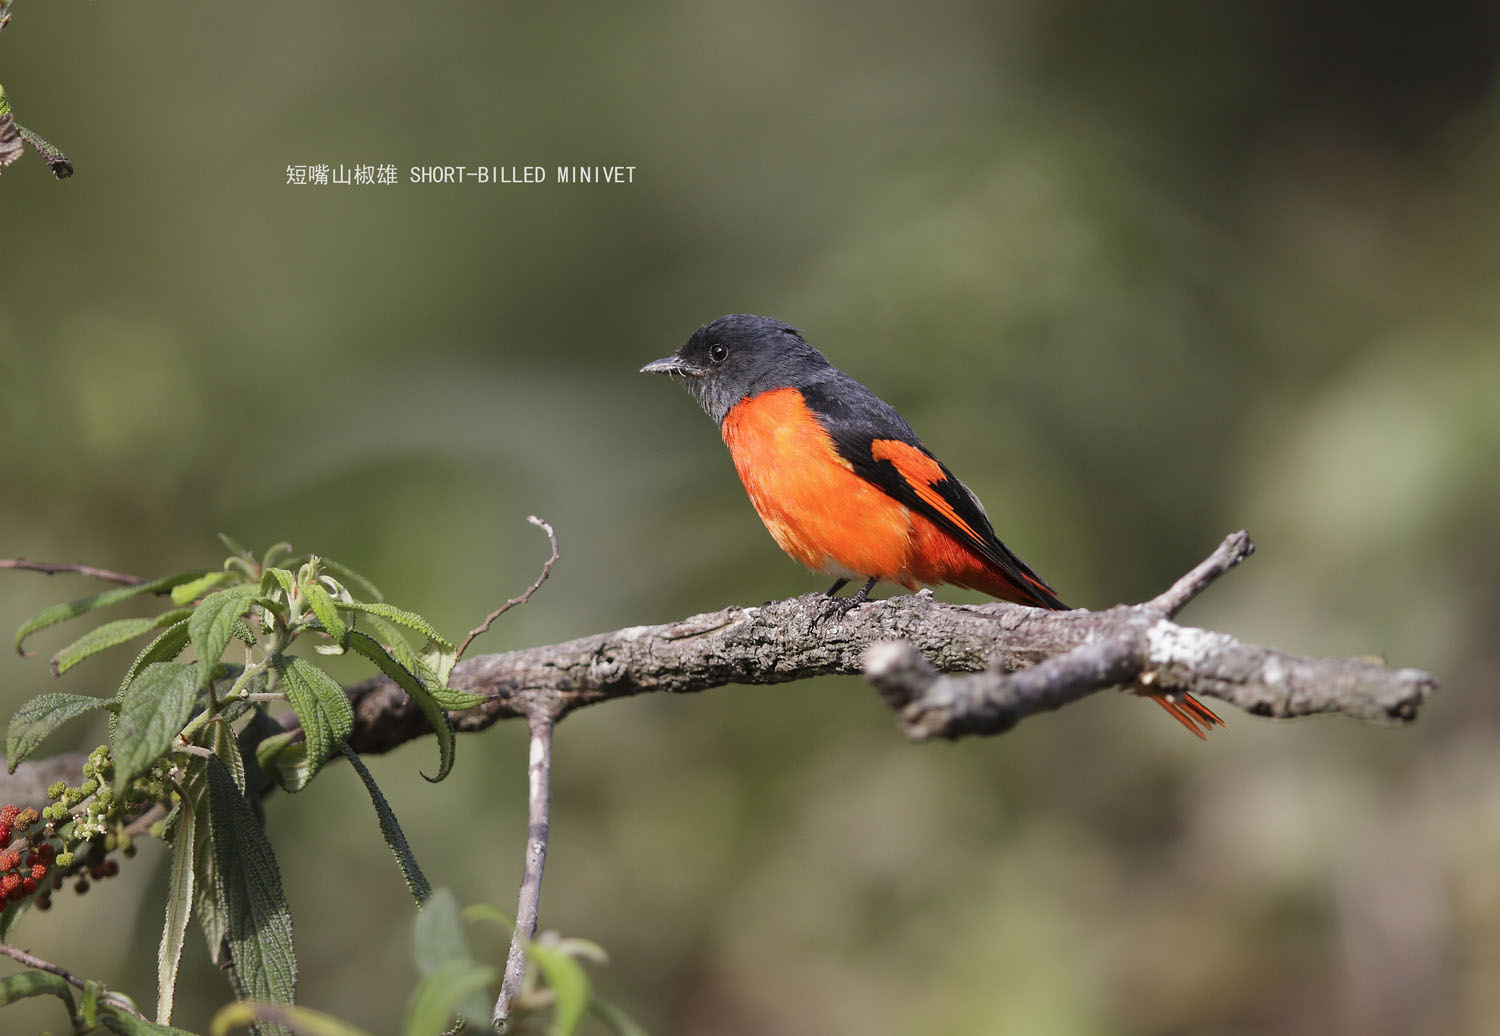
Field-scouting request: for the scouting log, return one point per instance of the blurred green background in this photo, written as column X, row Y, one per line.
column 1142, row 274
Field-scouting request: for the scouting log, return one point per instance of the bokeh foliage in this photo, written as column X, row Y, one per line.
column 1140, row 274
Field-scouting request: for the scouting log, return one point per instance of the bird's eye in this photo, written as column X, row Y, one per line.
column 717, row 353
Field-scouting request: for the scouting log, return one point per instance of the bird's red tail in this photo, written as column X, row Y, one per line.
column 1188, row 711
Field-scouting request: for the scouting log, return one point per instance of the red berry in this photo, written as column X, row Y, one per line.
column 4, row 833
column 10, row 860
column 110, row 868
column 38, row 871
column 8, row 813
column 9, row 882
column 46, row 852
column 27, row 886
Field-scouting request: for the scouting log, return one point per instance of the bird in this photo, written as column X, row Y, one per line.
column 843, row 483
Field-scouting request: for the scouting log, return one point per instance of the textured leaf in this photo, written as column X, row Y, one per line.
column 459, row 988
column 569, row 985
column 153, row 711
column 323, row 607
column 455, row 700
column 72, row 609
column 163, row 649
column 39, row 717
column 442, row 726
column 410, row 620
column 190, row 592
column 234, row 546
column 275, row 578
column 109, row 635
column 212, row 623
column 304, row 1021
column 250, row 899
column 179, row 909
column 320, row 704
column 416, row 881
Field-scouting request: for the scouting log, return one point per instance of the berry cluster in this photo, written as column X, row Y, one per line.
column 28, row 857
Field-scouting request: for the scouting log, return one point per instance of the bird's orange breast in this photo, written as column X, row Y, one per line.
column 818, row 510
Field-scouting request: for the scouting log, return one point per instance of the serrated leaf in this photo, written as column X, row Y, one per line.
column 211, row 625
column 36, row 983
column 222, row 742
column 275, row 578
column 163, row 649
column 39, row 717
column 442, row 726
column 109, row 635
column 153, row 711
column 72, row 609
column 191, row 591
column 241, row 631
column 346, row 575
column 302, row 1020
column 327, row 613
column 457, row 989
column 569, row 985
column 320, row 704
column 205, row 902
column 180, row 879
column 411, row 620
column 262, row 963
column 390, row 827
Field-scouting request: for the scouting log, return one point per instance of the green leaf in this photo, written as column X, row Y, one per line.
column 304, row 1021
column 278, row 577
column 347, row 575
column 442, row 726
column 36, row 983
column 163, row 649
column 109, row 635
column 190, row 592
column 180, row 893
column 454, row 700
column 323, row 607
column 212, row 623
column 416, row 881
column 263, row 965
column 205, row 881
column 437, row 935
column 72, row 609
column 458, row 988
column 320, row 704
column 569, row 985
column 39, row 717
column 222, row 743
column 153, row 711
column 410, row 620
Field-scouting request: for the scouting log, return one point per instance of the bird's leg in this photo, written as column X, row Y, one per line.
column 838, row 607
column 833, row 590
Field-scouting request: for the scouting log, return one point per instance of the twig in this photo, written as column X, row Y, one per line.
column 21, row 956
column 50, row 569
column 539, row 779
column 508, row 605
column 1235, row 548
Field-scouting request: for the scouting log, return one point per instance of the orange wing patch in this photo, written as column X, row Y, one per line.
column 920, row 472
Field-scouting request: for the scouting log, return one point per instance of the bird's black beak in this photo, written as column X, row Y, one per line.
column 672, row 365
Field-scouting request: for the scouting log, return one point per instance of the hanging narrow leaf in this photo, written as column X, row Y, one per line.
column 179, row 908
column 189, row 592
column 72, row 609
column 262, row 963
column 39, row 717
column 442, row 726
column 163, row 649
column 109, row 635
column 390, row 827
column 570, row 986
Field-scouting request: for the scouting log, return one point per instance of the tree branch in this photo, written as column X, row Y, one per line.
column 539, row 780
column 790, row 640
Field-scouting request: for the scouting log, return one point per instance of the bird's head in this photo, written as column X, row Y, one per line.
column 738, row 356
